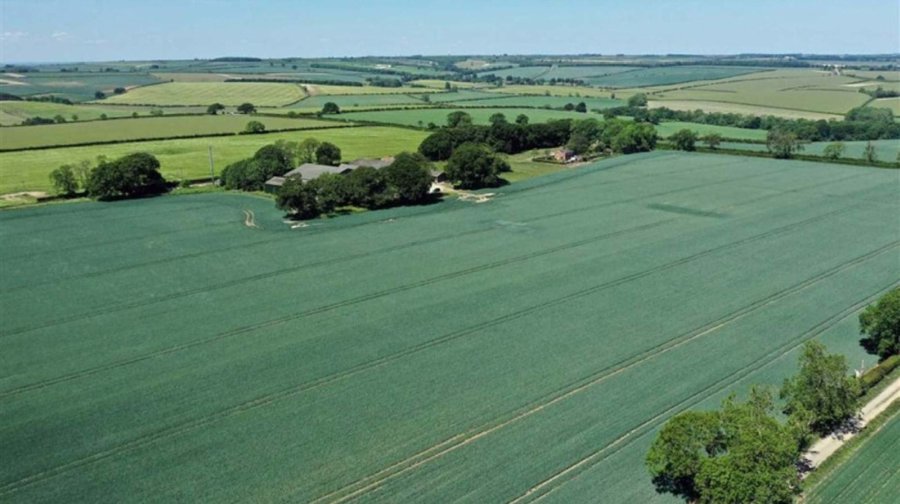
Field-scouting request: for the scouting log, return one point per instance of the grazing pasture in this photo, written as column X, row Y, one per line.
column 665, row 129
column 660, row 76
column 315, row 103
column 188, row 158
column 420, row 353
column 438, row 116
column 739, row 108
column 261, row 94
column 14, row 112
column 541, row 101
column 871, row 475
column 586, row 73
column 323, row 89
column 146, row 127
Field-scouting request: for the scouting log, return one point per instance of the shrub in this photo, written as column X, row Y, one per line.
column 254, row 127
column 63, row 179
column 331, row 108
column 684, row 140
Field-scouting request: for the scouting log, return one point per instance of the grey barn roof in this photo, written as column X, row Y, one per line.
column 374, row 163
column 310, row 171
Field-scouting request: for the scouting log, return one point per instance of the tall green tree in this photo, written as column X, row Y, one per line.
column 129, row 176
column 834, row 150
column 712, row 140
column 497, row 118
column 822, row 392
column 637, row 100
column 331, row 108
column 783, row 144
column 880, row 325
column 473, row 166
column 869, row 153
column 737, row 454
column 215, row 108
column 297, row 198
column 246, row 108
column 409, row 178
column 458, row 118
column 306, row 151
column 684, row 139
column 64, row 180
column 328, row 154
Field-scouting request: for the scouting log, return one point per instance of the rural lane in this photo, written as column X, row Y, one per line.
column 825, row 447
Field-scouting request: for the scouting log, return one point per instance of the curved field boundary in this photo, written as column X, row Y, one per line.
column 291, row 391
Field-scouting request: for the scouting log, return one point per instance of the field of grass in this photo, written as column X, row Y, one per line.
column 541, row 101
column 261, row 94
column 886, row 150
column 462, row 95
column 421, row 117
column 145, row 127
column 659, row 76
column 14, row 112
column 806, row 90
column 666, row 129
column 315, row 103
column 439, row 84
column 188, row 158
column 888, row 103
column 72, row 85
column 872, row 474
column 738, row 108
column 567, row 91
column 322, row 89
column 586, row 73
column 421, row 353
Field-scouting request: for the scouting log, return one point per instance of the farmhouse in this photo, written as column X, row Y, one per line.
column 565, row 156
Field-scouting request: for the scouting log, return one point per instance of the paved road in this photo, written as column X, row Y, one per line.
column 826, row 446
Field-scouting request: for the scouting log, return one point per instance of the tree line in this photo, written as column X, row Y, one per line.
column 743, row 452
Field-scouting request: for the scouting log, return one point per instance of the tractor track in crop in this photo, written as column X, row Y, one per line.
column 294, row 390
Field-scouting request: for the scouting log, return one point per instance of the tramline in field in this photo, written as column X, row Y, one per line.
column 338, row 359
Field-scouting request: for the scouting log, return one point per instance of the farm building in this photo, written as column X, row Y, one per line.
column 307, row 171
column 565, row 155
column 374, row 163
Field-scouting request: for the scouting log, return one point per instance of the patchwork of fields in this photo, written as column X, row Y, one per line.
column 149, row 127
column 438, row 116
column 189, row 158
column 157, row 350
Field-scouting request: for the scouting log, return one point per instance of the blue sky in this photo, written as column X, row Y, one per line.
column 96, row 30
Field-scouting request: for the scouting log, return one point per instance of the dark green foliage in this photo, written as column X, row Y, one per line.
column 409, row 178
column 99, row 95
column 64, row 180
column 328, row 154
column 329, row 190
column 740, row 453
column 635, row 137
column 822, row 393
column 638, row 100
column 497, row 118
column 215, row 108
column 871, row 377
column 366, row 187
column 473, row 166
column 298, row 198
column 306, row 150
column 255, row 127
column 684, row 140
column 458, row 118
column 33, row 121
column 119, row 90
column 522, row 119
column 438, row 146
column 246, row 108
column 251, row 174
column 331, row 108
column 581, row 107
column 129, row 176
column 869, row 153
column 783, row 144
column 880, row 323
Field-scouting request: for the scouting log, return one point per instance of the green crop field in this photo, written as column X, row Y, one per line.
column 261, row 94
column 188, row 158
column 420, row 353
column 463, row 95
column 789, row 89
column 885, row 150
column 75, row 86
column 540, row 101
column 323, row 89
column 660, row 76
column 666, row 129
column 14, row 112
column 888, row 103
column 738, row 108
column 315, row 103
column 417, row 117
column 871, row 475
column 146, row 127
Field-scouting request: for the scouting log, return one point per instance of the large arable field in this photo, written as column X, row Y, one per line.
column 261, row 94
column 14, row 112
column 146, row 127
column 189, row 158
column 438, row 116
column 871, row 475
column 162, row 350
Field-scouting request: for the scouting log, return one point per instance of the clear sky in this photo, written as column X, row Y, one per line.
column 92, row 30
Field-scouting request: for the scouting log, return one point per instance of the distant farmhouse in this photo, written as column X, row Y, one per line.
column 312, row 171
